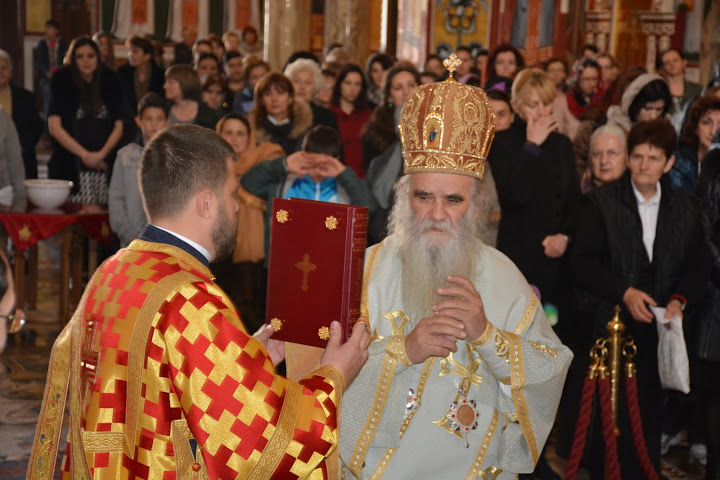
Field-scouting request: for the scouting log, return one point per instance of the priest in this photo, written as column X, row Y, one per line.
column 162, row 378
column 465, row 373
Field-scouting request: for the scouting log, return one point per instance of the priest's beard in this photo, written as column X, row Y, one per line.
column 428, row 258
column 223, row 234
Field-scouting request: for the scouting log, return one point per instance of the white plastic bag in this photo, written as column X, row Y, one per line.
column 673, row 364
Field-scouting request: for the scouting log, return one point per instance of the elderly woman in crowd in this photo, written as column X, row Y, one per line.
column 307, row 80
column 376, row 67
column 607, row 157
column 183, row 91
column 278, row 116
column 19, row 103
column 702, row 123
column 85, row 122
column 647, row 97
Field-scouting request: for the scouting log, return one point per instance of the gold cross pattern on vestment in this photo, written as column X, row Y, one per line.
column 305, row 266
column 451, row 63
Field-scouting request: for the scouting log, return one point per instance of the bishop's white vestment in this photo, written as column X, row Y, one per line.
column 482, row 412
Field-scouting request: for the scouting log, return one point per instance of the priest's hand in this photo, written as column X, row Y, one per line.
column 435, row 336
column 349, row 357
column 300, row 163
column 276, row 348
column 636, row 302
column 464, row 305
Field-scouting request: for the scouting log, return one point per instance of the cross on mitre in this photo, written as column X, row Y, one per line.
column 451, row 63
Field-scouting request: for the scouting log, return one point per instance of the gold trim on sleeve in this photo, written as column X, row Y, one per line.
column 396, row 348
column 485, row 337
column 528, row 315
column 517, row 375
column 282, row 436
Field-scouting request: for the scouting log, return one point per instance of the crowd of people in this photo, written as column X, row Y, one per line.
column 601, row 186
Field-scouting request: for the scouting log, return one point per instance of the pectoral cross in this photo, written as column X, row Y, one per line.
column 306, row 266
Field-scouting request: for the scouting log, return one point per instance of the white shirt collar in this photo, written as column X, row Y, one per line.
column 654, row 200
column 275, row 122
column 193, row 244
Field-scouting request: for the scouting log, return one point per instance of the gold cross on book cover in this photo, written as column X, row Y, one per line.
column 315, row 269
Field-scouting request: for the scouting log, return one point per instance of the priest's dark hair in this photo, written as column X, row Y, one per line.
column 178, row 163
column 323, row 139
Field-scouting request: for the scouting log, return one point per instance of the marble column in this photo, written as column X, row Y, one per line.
column 287, row 29
column 347, row 22
column 659, row 27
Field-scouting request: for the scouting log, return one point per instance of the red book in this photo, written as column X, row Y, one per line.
column 315, row 272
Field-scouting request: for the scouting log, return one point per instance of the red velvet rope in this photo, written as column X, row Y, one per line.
column 611, row 456
column 581, row 429
column 637, row 429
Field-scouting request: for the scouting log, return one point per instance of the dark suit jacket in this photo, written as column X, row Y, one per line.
column 609, row 256
column 29, row 126
column 42, row 56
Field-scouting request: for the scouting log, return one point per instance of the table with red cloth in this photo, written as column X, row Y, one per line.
column 26, row 226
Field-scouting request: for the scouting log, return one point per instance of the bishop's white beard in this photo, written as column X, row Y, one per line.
column 427, row 257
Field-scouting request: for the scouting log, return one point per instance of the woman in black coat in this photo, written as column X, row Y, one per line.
column 705, row 349
column 537, row 184
column 85, row 122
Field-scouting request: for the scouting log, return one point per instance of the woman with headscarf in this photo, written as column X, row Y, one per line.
column 645, row 98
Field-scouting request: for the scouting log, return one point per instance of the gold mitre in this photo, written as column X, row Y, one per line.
column 447, row 127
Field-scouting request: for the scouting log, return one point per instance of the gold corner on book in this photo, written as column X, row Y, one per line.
column 324, row 333
column 331, row 223
column 276, row 324
column 282, row 216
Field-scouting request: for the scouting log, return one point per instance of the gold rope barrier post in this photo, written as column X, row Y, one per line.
column 615, row 345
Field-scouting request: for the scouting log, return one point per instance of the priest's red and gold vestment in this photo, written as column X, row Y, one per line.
column 164, row 382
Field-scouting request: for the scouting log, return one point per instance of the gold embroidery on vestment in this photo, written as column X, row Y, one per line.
column 550, row 352
column 482, row 451
column 424, row 375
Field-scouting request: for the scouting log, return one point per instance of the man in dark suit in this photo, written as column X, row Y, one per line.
column 20, row 104
column 49, row 55
column 638, row 244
